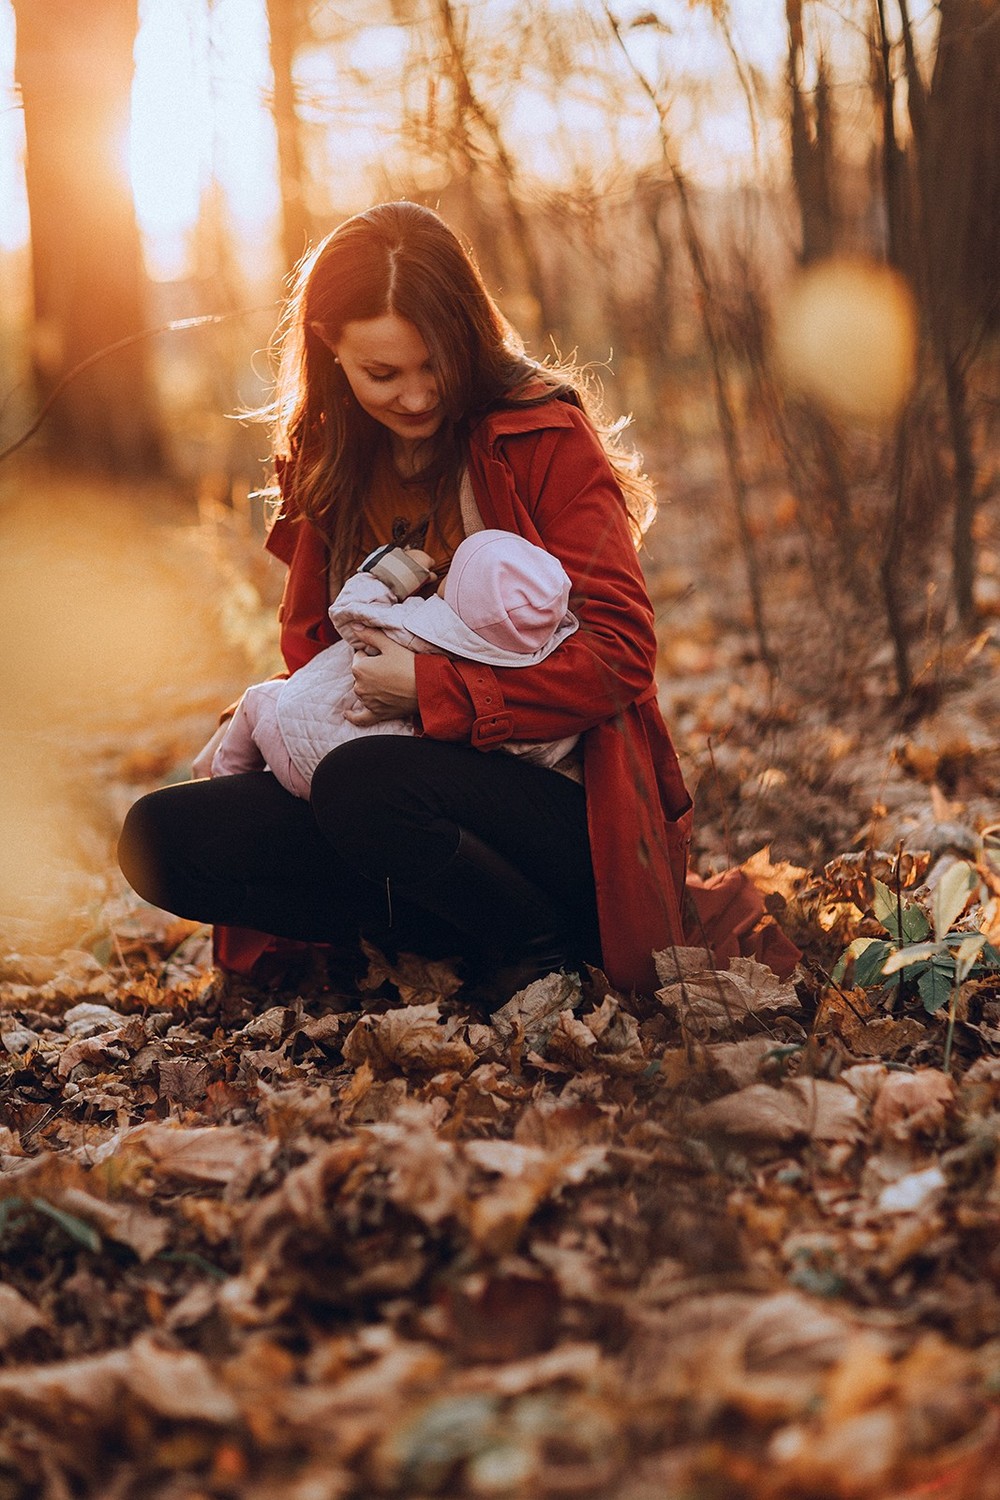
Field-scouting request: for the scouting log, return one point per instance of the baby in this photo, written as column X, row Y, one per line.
column 503, row 602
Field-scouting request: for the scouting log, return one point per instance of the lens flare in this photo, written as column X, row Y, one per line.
column 845, row 337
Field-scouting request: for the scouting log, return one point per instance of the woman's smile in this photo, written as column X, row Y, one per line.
column 388, row 367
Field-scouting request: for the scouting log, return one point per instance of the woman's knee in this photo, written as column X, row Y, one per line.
column 142, row 846
column 353, row 781
column 370, row 804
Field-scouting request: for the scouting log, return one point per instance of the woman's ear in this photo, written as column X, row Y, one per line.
column 322, row 335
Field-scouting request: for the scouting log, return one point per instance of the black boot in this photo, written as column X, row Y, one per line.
column 516, row 932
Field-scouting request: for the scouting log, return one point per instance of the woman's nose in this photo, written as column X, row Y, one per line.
column 419, row 396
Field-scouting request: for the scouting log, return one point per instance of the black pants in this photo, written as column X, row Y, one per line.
column 384, row 819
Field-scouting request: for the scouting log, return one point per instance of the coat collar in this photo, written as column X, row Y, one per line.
column 505, row 421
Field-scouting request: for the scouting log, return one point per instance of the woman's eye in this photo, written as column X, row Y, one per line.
column 379, row 379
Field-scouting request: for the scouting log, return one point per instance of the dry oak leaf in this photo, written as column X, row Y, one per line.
column 765, row 1356
column 498, row 1216
column 426, row 1175
column 912, row 1104
column 60, row 1181
column 804, row 1109
column 607, row 1039
column 18, row 1316
column 107, row 1047
column 125, row 1223
column 302, row 1198
column 409, row 1038
column 744, row 998
column 534, row 1011
column 852, row 1018
column 183, row 1079
column 88, row 1019
column 172, row 1383
column 674, row 964
column 209, row 1153
column 420, row 981
column 737, row 1063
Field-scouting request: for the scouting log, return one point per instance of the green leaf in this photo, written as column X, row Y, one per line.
column 868, row 964
column 951, row 895
column 990, row 957
column 77, row 1229
column 10, row 1211
column 966, row 954
column 935, row 984
column 915, row 924
column 853, row 950
column 913, row 953
column 886, row 908
column 104, row 951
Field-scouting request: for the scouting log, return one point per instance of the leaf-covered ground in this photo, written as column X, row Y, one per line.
column 736, row 1239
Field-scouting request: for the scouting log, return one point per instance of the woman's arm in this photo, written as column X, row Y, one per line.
column 570, row 494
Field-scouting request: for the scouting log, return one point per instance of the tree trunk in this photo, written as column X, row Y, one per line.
column 893, row 166
column 812, row 145
column 469, row 106
column 284, row 19
column 74, row 68
column 960, row 192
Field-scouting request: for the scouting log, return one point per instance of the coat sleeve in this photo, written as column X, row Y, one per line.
column 562, row 489
column 353, row 605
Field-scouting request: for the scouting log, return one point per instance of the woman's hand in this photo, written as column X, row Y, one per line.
column 386, row 682
column 202, row 764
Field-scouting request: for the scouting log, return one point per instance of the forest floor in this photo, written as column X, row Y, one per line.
column 736, row 1240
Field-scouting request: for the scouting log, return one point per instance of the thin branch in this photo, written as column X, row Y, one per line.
column 176, row 326
column 713, row 338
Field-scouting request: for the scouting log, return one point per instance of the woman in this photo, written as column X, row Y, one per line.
column 407, row 412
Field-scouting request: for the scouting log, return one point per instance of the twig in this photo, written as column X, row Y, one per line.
column 849, row 1003
column 177, row 325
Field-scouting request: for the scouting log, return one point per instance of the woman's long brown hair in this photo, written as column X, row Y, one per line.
column 402, row 258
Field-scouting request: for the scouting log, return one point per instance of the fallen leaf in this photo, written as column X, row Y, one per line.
column 177, row 1383
column 744, row 998
column 419, row 981
column 909, row 1105
column 802, row 1109
column 413, row 1037
column 212, row 1153
column 18, row 1316
column 912, row 1193
column 426, row 1175
column 535, row 1010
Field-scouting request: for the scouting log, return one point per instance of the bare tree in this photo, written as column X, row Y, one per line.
column 477, row 131
column 955, row 123
column 959, row 169
column 811, row 141
column 287, row 24
column 724, row 404
column 74, row 67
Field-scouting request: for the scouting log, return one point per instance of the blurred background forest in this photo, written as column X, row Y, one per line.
column 772, row 227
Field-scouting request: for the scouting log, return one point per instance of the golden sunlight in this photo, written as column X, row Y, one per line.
column 171, row 126
column 200, row 115
column 846, row 337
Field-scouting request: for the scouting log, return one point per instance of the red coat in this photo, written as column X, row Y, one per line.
column 540, row 471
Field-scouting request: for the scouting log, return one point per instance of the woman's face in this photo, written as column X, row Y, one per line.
column 390, row 372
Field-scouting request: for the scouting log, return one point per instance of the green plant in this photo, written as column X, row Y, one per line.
column 938, row 965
